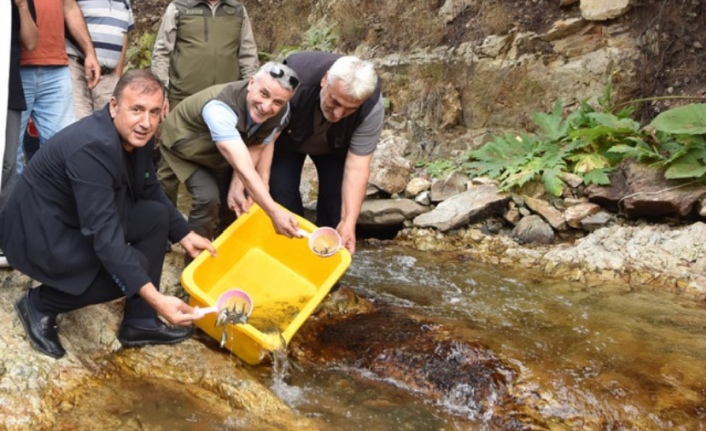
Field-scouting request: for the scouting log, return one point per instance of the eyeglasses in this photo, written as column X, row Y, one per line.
column 276, row 72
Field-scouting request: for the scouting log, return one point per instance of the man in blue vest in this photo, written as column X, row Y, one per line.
column 336, row 120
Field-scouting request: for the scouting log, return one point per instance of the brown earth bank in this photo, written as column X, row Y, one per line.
column 671, row 32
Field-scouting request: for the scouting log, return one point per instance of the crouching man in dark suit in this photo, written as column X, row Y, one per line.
column 88, row 220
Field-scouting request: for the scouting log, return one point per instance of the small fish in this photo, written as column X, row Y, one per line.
column 230, row 315
column 323, row 250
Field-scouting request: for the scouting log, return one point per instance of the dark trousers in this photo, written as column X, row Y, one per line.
column 285, row 178
column 146, row 232
column 209, row 215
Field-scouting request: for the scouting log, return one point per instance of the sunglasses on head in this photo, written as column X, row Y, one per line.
column 276, row 72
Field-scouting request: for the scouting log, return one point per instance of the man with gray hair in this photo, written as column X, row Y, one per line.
column 337, row 117
column 218, row 142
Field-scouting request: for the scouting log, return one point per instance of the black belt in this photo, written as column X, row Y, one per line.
column 104, row 70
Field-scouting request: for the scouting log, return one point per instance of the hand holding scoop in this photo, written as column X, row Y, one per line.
column 234, row 299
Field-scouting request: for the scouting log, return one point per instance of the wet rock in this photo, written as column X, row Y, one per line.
column 416, row 353
column 36, row 390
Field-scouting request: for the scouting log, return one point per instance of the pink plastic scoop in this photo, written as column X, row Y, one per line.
column 233, row 298
column 324, row 241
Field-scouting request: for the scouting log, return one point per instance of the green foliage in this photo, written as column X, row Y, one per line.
column 590, row 142
column 320, row 39
column 438, row 168
column 682, row 132
column 577, row 143
column 314, row 39
column 139, row 56
column 682, row 146
column 682, row 120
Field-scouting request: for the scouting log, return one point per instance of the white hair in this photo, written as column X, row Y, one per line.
column 357, row 76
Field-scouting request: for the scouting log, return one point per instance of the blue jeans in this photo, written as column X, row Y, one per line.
column 49, row 96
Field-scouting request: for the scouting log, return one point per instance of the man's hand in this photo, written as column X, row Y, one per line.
column 285, row 223
column 194, row 244
column 347, row 236
column 176, row 311
column 237, row 200
column 92, row 70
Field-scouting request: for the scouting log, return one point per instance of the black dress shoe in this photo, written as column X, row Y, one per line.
column 161, row 333
column 40, row 328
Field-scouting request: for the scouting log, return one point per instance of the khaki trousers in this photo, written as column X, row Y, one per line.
column 86, row 100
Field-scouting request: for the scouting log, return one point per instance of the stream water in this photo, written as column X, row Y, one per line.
column 598, row 358
column 611, row 357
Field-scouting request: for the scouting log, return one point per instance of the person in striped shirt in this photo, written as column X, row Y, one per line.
column 109, row 22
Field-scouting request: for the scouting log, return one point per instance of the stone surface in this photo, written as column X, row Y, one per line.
column 455, row 183
column 638, row 190
column 476, row 203
column 389, row 212
column 533, row 229
column 552, row 215
column 601, row 10
column 35, row 389
column 575, row 213
column 417, row 185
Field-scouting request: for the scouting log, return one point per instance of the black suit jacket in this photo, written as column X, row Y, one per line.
column 64, row 219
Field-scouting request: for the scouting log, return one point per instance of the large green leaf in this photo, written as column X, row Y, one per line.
column 687, row 166
column 641, row 151
column 584, row 163
column 551, row 179
column 597, row 176
column 552, row 126
column 687, row 119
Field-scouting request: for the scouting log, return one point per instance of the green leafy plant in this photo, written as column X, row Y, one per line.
column 438, row 168
column 682, row 147
column 320, row 39
column 580, row 143
column 139, row 55
column 314, row 39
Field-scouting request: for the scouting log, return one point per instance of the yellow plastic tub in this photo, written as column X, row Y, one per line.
column 285, row 279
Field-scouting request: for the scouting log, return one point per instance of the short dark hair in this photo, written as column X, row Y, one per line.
column 143, row 80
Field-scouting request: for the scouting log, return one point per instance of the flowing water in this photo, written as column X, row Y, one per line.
column 611, row 357
column 590, row 358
